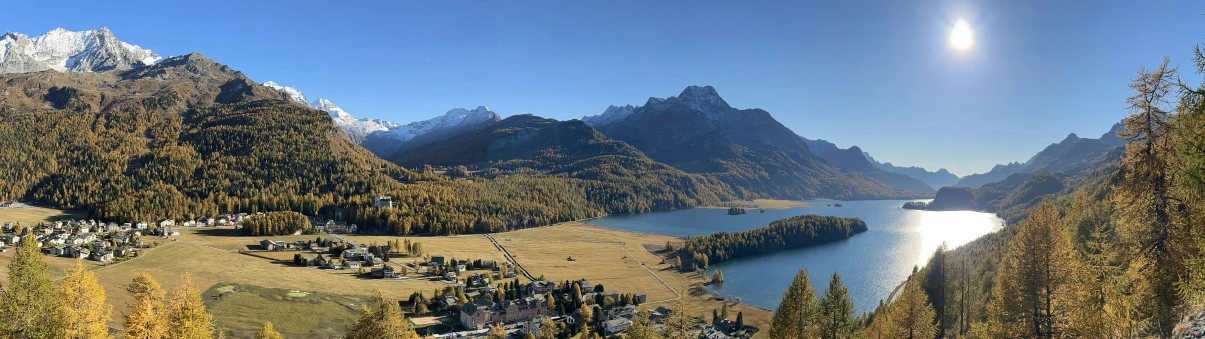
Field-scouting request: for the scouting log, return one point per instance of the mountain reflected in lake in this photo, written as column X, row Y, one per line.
column 871, row 263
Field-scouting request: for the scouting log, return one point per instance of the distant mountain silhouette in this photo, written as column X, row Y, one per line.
column 935, row 179
column 1070, row 156
column 698, row 132
column 855, row 159
column 517, row 141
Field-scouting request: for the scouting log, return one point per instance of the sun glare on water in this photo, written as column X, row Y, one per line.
column 961, row 36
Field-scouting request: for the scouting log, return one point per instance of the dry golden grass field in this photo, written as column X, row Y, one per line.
column 30, row 216
column 210, row 266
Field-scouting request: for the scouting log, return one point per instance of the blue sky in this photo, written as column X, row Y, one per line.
column 877, row 74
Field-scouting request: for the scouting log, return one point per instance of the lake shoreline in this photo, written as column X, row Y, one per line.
column 766, row 204
column 873, row 262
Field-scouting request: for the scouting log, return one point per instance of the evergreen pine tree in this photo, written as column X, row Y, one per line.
column 934, row 285
column 678, row 323
column 837, row 319
column 30, row 304
column 1144, row 198
column 910, row 316
column 796, row 315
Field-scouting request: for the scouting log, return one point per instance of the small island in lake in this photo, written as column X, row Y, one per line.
column 736, row 210
column 916, row 205
column 782, row 234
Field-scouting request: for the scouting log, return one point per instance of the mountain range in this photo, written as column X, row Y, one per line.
column 383, row 138
column 935, row 179
column 697, row 131
column 63, row 50
column 1070, row 156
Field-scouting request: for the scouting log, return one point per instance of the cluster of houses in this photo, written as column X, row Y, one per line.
column 234, row 219
column 482, row 312
column 83, row 239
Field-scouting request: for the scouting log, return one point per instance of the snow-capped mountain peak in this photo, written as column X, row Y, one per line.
column 612, row 114
column 334, row 110
column 62, row 50
column 359, row 130
column 292, row 92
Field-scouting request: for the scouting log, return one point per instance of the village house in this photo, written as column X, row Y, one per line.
column 542, row 287
column 76, row 252
column 383, row 202
column 448, row 301
column 640, row 298
column 478, row 280
column 354, row 264
column 267, row 245
column 55, row 251
column 482, row 312
column 386, row 272
column 616, row 325
column 102, row 255
column 437, row 260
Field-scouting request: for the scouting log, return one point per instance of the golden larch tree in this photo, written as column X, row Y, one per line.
column 797, row 310
column 84, row 310
column 268, row 332
column 186, row 311
column 1036, row 292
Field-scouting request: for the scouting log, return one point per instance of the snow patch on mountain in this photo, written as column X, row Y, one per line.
column 67, row 51
column 358, row 130
column 612, row 114
column 702, row 98
column 292, row 92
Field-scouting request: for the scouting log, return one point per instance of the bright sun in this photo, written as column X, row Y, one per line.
column 961, row 37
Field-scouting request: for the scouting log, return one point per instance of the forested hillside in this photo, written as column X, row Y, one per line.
column 190, row 137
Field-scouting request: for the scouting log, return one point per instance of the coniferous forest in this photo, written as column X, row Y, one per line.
column 783, row 234
column 189, row 137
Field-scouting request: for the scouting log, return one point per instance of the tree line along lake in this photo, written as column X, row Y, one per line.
column 871, row 263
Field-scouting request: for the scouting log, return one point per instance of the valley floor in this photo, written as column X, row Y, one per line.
column 616, row 259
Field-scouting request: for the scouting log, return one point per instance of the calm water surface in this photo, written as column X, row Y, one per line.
column 871, row 263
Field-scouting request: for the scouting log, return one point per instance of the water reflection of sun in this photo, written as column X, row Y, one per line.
column 955, row 228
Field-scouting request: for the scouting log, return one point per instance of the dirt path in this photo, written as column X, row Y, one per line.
column 646, row 268
column 510, row 258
